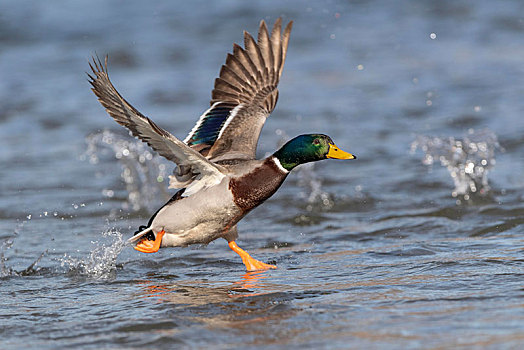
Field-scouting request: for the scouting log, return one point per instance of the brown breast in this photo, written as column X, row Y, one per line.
column 251, row 189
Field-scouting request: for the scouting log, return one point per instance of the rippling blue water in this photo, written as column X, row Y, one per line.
column 417, row 244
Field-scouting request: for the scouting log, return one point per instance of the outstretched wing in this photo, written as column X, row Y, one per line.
column 203, row 172
column 245, row 94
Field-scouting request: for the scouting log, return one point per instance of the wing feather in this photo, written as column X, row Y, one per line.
column 205, row 173
column 266, row 51
column 255, row 72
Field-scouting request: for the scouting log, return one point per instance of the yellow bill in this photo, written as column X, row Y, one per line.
column 336, row 153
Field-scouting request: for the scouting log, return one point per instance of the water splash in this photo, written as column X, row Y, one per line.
column 101, row 262
column 468, row 160
column 143, row 172
column 314, row 195
column 6, row 270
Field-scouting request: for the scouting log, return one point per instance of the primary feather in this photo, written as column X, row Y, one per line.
column 244, row 95
column 204, row 172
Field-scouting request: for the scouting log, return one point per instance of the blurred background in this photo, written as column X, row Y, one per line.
column 417, row 243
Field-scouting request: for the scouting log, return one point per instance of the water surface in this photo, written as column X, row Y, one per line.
column 416, row 244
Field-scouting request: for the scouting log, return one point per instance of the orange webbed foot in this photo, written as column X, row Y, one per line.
column 256, row 265
column 147, row 246
column 251, row 264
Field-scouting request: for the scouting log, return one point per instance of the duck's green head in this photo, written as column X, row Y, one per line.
column 309, row 148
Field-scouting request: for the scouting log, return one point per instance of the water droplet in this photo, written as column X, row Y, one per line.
column 108, row 193
column 101, row 262
column 467, row 160
column 139, row 167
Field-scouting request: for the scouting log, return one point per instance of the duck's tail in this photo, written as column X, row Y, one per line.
column 144, row 230
column 139, row 234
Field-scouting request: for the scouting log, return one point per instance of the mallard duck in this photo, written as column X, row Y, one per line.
column 218, row 177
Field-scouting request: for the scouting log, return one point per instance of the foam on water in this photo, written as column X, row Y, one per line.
column 468, row 160
column 101, row 261
column 143, row 172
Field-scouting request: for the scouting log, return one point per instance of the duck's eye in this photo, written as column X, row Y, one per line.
column 316, row 142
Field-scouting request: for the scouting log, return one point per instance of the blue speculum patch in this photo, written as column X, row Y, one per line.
column 210, row 127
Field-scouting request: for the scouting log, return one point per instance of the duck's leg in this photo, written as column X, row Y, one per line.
column 251, row 264
column 147, row 246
